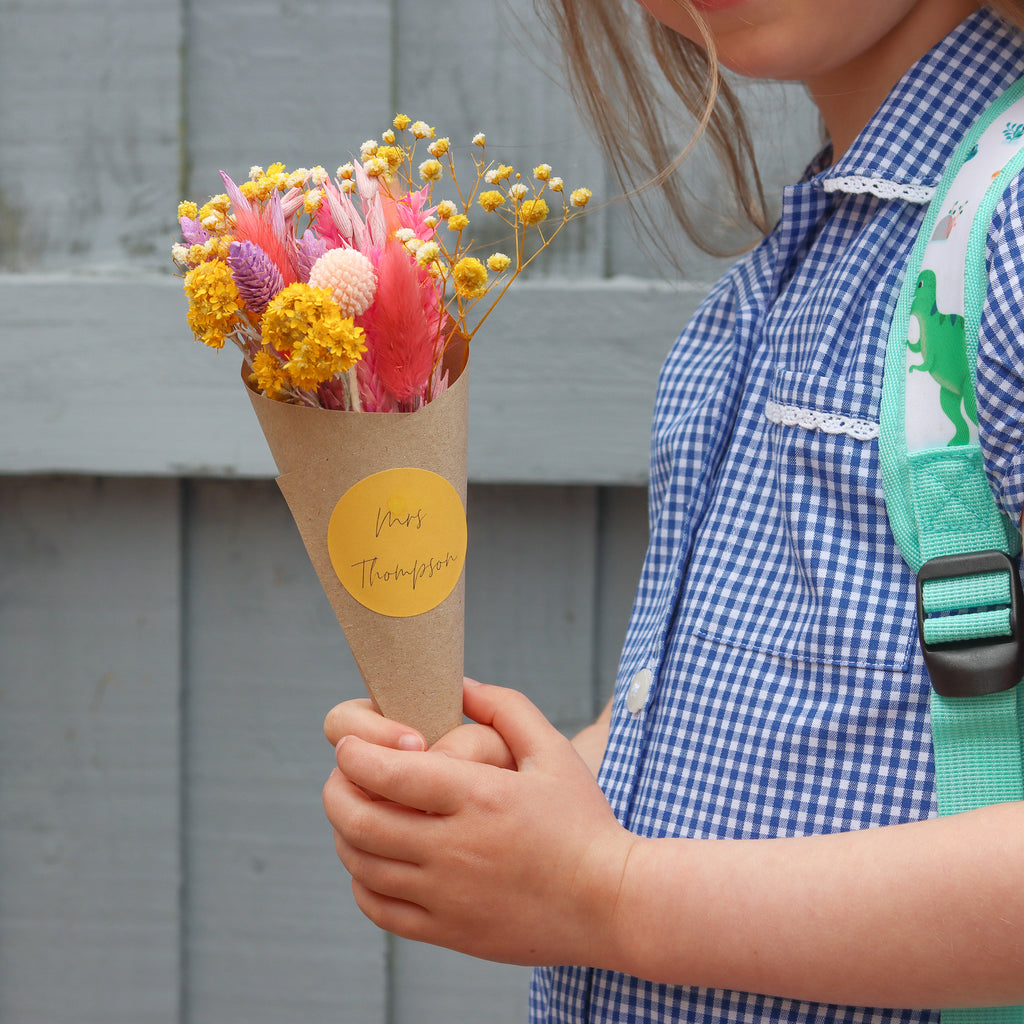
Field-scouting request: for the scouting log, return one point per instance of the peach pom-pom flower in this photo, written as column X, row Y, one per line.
column 349, row 276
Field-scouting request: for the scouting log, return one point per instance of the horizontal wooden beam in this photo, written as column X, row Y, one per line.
column 103, row 378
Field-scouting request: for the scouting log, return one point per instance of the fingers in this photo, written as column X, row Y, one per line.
column 479, row 743
column 360, row 718
column 522, row 725
column 429, row 781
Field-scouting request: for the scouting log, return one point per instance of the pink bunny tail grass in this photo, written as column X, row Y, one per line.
column 403, row 330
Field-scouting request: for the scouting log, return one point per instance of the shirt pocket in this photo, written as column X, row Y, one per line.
column 820, row 577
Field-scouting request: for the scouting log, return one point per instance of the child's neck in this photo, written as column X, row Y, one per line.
column 848, row 96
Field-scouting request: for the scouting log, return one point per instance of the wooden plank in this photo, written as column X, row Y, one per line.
column 272, row 933
column 505, row 89
column 565, row 399
column 89, row 768
column 89, row 116
column 622, row 544
column 301, row 83
column 437, row 986
column 530, row 593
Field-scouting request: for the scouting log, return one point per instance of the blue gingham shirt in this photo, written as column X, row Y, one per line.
column 775, row 617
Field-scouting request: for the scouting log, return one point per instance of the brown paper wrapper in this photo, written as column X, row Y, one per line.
column 412, row 666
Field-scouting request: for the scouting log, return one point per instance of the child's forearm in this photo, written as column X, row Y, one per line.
column 923, row 915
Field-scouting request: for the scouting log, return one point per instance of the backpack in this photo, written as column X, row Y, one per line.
column 941, row 510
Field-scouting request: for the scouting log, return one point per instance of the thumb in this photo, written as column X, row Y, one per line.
column 520, row 723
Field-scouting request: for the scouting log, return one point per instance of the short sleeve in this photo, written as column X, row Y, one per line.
column 1000, row 388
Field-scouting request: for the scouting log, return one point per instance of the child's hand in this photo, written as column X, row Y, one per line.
column 471, row 742
column 518, row 865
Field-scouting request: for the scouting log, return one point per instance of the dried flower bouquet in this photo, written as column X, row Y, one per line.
column 358, row 295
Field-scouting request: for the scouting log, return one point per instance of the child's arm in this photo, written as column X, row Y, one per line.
column 530, row 866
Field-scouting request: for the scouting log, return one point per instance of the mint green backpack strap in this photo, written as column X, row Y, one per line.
column 941, row 509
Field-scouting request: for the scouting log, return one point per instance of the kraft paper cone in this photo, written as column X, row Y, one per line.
column 412, row 665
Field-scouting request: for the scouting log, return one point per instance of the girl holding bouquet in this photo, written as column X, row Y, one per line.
column 760, row 841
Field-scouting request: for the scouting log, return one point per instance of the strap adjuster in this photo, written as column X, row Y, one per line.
column 975, row 666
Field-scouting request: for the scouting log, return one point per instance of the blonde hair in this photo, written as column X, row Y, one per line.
column 607, row 46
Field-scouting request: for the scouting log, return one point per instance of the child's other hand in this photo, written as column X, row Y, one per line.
column 470, row 742
column 521, row 865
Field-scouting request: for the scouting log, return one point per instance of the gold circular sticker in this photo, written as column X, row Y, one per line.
column 397, row 541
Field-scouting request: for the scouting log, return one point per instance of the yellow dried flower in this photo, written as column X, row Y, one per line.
column 255, row 172
column 542, row 172
column 439, row 147
column 348, row 186
column 470, row 278
column 257, row 191
column 393, row 155
column 376, row 167
column 518, row 191
column 213, row 302
column 498, row 262
column 556, row 184
column 430, row 170
column 401, row 122
column 187, row 209
column 533, row 211
column 217, row 248
column 479, row 139
column 346, row 171
column 427, row 253
column 312, row 201
column 368, row 149
column 490, row 201
column 446, row 208
column 422, row 130
column 268, row 374
column 459, row 222
column 305, row 324
column 197, row 253
column 388, row 136
column 580, row 197
column 318, row 176
column 275, row 169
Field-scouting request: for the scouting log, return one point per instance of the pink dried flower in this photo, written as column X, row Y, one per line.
column 350, row 277
column 403, row 327
column 192, row 231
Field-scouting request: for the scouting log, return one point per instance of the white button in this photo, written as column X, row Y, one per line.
column 639, row 690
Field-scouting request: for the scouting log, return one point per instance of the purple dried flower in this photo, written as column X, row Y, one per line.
column 311, row 248
column 256, row 276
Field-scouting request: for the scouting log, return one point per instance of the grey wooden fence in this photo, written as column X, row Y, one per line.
column 166, row 654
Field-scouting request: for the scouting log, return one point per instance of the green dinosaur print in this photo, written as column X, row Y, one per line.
column 944, row 347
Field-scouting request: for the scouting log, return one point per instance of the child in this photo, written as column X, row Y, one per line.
column 763, row 841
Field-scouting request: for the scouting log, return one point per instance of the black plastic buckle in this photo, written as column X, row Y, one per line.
column 973, row 668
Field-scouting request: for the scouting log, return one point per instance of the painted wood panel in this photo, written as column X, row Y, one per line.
column 271, row 932
column 300, row 81
column 563, row 382
column 89, row 115
column 89, row 752
column 469, row 67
